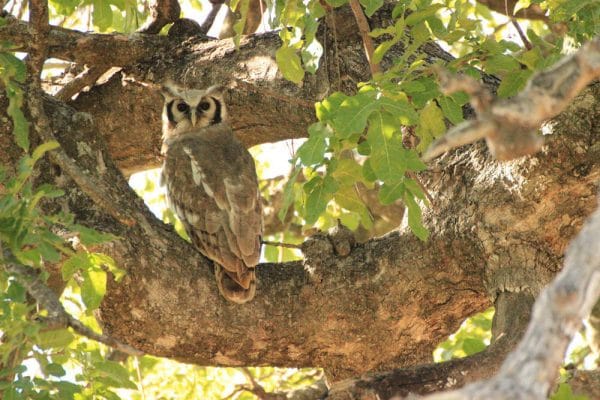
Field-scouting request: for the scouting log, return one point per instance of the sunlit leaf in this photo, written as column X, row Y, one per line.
column 56, row 338
column 431, row 125
column 353, row 113
column 313, row 150
column 371, row 6
column 451, row 109
column 102, row 14
column 290, row 64
column 319, row 191
column 93, row 287
column 414, row 217
column 513, row 83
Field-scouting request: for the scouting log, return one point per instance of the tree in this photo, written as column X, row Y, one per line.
column 492, row 233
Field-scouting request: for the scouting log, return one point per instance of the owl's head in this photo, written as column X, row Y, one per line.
column 186, row 110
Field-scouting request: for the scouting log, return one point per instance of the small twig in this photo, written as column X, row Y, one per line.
column 277, row 244
column 526, row 42
column 363, row 28
column 258, row 390
column 465, row 133
column 80, row 328
column 58, row 317
column 210, row 18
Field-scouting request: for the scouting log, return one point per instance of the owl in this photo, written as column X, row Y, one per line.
column 212, row 186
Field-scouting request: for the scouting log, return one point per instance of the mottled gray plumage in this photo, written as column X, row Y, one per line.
column 212, row 187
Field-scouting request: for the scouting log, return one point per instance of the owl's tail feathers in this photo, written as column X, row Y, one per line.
column 230, row 286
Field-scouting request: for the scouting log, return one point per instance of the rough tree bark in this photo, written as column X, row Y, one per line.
column 495, row 227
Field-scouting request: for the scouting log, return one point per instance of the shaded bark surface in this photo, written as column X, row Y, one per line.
column 495, row 227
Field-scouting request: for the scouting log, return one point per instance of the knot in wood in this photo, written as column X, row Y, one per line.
column 342, row 240
column 317, row 246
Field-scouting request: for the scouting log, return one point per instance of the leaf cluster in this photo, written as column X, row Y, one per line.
column 34, row 359
column 369, row 138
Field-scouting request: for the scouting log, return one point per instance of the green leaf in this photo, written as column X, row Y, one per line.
column 348, row 198
column 513, row 83
column 414, row 217
column 12, row 68
column 113, row 372
column 289, row 63
column 67, row 389
column 313, row 150
column 56, row 338
column 43, row 148
column 48, row 252
column 103, row 260
column 20, row 124
column 79, row 261
column 418, row 16
column 388, row 157
column 348, row 172
column 430, row 91
column 565, row 392
column 383, row 48
column 390, row 192
column 337, row 3
column 15, row 292
column 102, row 14
column 367, row 171
column 353, row 114
column 431, row 125
column 451, row 109
column 319, row 193
column 502, row 65
column 91, row 237
column 241, row 8
column 327, row 109
column 54, row 370
column 288, row 194
column 93, row 287
column 363, row 148
column 400, row 109
column 371, row 6
column 472, row 346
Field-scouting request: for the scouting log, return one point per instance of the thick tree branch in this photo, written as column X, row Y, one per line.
column 430, row 378
column 393, row 292
column 494, row 227
column 85, row 48
column 285, row 109
column 530, row 371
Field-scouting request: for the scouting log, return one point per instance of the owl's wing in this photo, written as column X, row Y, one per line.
column 219, row 203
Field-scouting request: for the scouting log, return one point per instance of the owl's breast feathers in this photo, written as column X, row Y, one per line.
column 212, row 186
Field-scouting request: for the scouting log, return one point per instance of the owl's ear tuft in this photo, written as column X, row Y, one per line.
column 216, row 90
column 169, row 90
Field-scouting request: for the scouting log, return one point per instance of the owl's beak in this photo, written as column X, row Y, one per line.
column 193, row 117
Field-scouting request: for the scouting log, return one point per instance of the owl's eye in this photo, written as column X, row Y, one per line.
column 182, row 107
column 205, row 105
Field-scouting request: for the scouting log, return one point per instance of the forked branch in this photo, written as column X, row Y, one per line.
column 510, row 125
